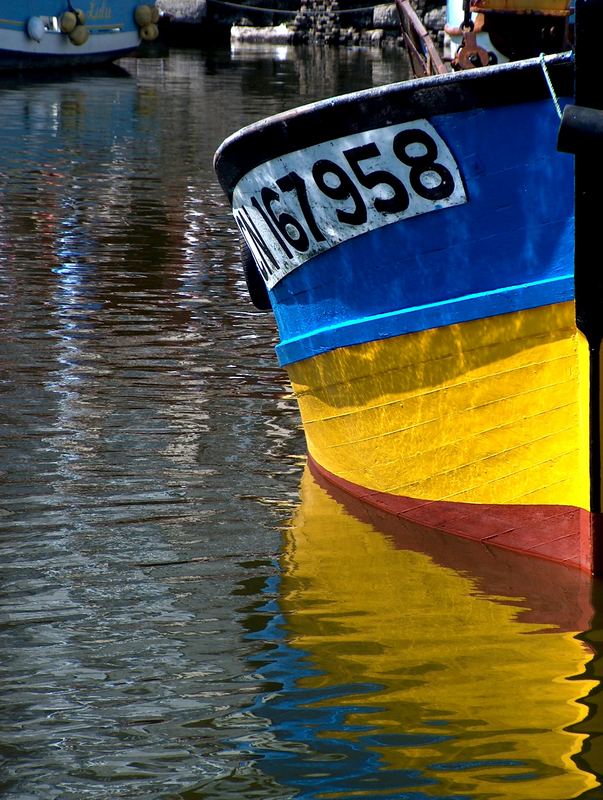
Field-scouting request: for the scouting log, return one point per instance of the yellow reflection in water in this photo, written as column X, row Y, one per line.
column 474, row 691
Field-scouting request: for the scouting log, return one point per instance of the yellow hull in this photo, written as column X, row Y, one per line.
column 481, row 428
column 491, row 411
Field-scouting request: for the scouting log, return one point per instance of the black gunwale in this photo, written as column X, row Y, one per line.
column 504, row 84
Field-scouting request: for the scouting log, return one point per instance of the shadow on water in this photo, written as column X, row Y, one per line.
column 176, row 621
column 17, row 79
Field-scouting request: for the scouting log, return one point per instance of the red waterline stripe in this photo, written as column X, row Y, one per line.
column 562, row 534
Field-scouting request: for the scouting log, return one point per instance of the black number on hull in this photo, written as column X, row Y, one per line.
column 399, row 200
column 344, row 189
column 423, row 164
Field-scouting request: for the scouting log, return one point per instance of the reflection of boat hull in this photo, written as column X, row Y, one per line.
column 435, row 356
column 551, row 593
column 411, row 650
column 34, row 38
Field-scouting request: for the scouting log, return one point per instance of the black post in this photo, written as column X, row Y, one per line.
column 588, row 241
column 589, row 173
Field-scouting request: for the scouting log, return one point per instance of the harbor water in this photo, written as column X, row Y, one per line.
column 185, row 611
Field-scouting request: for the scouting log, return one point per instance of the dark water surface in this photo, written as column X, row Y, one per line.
column 186, row 613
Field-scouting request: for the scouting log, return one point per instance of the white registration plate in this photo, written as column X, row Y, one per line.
column 294, row 207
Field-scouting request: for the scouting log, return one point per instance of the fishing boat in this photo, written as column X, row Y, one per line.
column 438, row 316
column 53, row 33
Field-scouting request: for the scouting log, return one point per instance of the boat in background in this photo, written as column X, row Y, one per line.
column 441, row 332
column 49, row 34
column 485, row 32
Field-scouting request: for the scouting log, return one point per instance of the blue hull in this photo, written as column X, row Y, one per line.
column 508, row 248
column 360, row 271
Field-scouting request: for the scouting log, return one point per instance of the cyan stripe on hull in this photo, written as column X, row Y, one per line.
column 434, row 315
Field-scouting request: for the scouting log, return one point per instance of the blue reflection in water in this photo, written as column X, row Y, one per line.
column 300, row 747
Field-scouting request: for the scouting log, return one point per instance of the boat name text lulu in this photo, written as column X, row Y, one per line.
column 98, row 10
column 293, row 207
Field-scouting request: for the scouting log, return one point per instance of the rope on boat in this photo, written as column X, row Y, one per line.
column 549, row 82
column 244, row 7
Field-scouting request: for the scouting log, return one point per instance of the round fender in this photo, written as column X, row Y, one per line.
column 67, row 21
column 143, row 15
column 79, row 35
column 35, row 28
column 256, row 287
column 149, row 33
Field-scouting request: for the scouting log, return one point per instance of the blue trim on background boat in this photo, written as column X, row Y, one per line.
column 432, row 315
